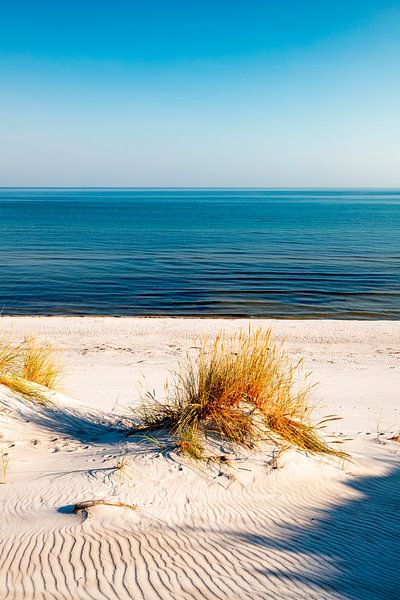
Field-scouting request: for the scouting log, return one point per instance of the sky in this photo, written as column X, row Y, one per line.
column 210, row 93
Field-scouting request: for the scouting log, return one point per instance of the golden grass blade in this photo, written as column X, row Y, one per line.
column 10, row 356
column 24, row 388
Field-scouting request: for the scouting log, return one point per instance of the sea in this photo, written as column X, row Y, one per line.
column 281, row 253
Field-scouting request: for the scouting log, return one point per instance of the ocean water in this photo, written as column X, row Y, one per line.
column 274, row 253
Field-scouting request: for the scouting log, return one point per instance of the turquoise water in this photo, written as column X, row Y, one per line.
column 278, row 253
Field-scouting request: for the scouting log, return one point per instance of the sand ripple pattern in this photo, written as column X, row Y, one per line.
column 312, row 532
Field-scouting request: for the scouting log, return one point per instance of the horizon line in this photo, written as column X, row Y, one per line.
column 116, row 187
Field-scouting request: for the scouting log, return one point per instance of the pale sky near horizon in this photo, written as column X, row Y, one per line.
column 200, row 93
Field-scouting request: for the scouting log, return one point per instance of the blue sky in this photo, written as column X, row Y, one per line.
column 200, row 93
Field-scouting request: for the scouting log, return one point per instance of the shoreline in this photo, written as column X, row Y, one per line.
column 202, row 317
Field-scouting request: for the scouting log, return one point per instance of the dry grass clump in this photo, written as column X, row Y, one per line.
column 28, row 367
column 243, row 389
column 39, row 363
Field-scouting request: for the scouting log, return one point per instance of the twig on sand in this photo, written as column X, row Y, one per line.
column 90, row 503
column 84, row 506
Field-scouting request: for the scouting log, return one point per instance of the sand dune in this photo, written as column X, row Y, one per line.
column 314, row 528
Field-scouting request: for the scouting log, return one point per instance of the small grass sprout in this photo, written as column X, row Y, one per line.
column 121, row 461
column 5, row 459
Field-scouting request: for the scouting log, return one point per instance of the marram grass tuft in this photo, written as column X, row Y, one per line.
column 243, row 389
column 29, row 368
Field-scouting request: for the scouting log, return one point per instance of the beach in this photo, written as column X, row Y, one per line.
column 299, row 527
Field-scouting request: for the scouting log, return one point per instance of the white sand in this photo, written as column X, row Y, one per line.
column 312, row 529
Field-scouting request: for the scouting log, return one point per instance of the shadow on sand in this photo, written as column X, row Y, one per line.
column 88, row 426
column 350, row 550
column 84, row 426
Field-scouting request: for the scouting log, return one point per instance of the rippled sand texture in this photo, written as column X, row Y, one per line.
column 310, row 529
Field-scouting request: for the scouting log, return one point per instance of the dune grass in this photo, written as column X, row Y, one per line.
column 29, row 368
column 39, row 363
column 243, row 389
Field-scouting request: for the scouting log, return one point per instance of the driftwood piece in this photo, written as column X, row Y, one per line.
column 90, row 503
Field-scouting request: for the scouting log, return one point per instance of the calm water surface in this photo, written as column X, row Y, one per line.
column 328, row 254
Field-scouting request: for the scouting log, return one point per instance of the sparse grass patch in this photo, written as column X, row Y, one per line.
column 29, row 367
column 5, row 459
column 242, row 389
